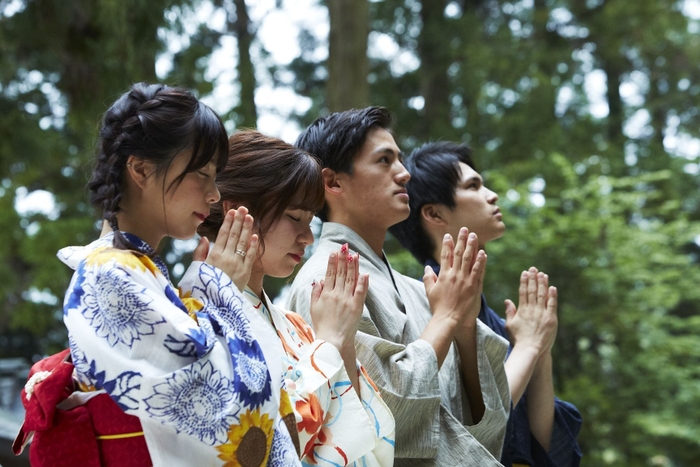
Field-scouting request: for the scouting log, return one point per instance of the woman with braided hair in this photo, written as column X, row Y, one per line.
column 187, row 362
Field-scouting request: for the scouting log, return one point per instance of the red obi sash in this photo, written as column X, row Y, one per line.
column 68, row 428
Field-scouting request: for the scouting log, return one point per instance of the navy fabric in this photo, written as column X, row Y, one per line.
column 520, row 446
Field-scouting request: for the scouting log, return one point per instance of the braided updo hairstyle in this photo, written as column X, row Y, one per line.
column 153, row 122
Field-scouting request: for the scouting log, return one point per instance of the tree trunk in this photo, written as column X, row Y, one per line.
column 247, row 115
column 434, row 54
column 616, row 118
column 347, row 85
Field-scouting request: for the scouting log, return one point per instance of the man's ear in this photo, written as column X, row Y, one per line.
column 433, row 214
column 331, row 181
column 140, row 170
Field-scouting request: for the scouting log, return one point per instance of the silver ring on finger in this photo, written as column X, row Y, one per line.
column 240, row 252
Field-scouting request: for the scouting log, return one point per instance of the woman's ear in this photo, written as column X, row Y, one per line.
column 433, row 214
column 228, row 205
column 140, row 170
column 330, row 181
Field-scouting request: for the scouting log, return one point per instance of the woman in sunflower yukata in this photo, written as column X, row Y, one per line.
column 340, row 415
column 188, row 363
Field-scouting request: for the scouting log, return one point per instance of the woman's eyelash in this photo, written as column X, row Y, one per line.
column 295, row 219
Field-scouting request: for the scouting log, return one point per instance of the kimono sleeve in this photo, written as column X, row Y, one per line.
column 331, row 420
column 131, row 339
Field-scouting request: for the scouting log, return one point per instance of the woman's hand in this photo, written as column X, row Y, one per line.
column 337, row 301
column 235, row 249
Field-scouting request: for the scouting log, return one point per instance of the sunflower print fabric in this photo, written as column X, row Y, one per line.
column 336, row 427
column 188, row 362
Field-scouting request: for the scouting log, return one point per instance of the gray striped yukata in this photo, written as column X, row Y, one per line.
column 433, row 422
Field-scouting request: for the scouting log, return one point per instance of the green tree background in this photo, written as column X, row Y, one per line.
column 600, row 192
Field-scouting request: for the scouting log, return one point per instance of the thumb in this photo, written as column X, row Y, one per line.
column 510, row 310
column 429, row 279
column 200, row 253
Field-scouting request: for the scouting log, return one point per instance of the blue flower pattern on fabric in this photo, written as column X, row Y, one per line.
column 123, row 389
column 175, row 298
column 251, row 378
column 280, row 453
column 75, row 290
column 182, row 348
column 117, row 309
column 198, row 401
column 224, row 303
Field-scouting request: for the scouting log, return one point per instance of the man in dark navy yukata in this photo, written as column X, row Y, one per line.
column 446, row 193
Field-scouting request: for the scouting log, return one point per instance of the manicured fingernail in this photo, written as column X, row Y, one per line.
column 344, row 249
column 313, row 283
column 446, row 237
column 350, row 259
column 332, row 254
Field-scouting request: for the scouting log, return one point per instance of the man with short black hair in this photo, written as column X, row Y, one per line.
column 447, row 193
column 438, row 368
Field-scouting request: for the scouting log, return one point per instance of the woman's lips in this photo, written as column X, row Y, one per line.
column 297, row 258
column 201, row 216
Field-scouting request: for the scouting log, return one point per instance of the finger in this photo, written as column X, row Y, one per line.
column 357, row 271
column 429, row 279
column 479, row 268
column 351, row 278
column 235, row 232
column 482, row 271
column 522, row 290
column 251, row 254
column 246, row 232
column 446, row 253
column 341, row 270
column 460, row 248
column 316, row 289
column 541, row 291
column 511, row 310
column 329, row 281
column 532, row 286
column 361, row 290
column 470, row 253
column 553, row 300
column 200, row 253
column 222, row 236
column 351, row 274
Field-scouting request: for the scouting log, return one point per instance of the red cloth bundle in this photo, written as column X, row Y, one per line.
column 97, row 433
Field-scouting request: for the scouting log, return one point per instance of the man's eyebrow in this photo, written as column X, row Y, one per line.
column 386, row 150
column 474, row 178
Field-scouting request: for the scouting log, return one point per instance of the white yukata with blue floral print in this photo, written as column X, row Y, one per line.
column 187, row 362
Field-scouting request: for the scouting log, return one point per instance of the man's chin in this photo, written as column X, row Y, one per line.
column 400, row 216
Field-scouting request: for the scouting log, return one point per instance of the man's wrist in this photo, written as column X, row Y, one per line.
column 528, row 349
